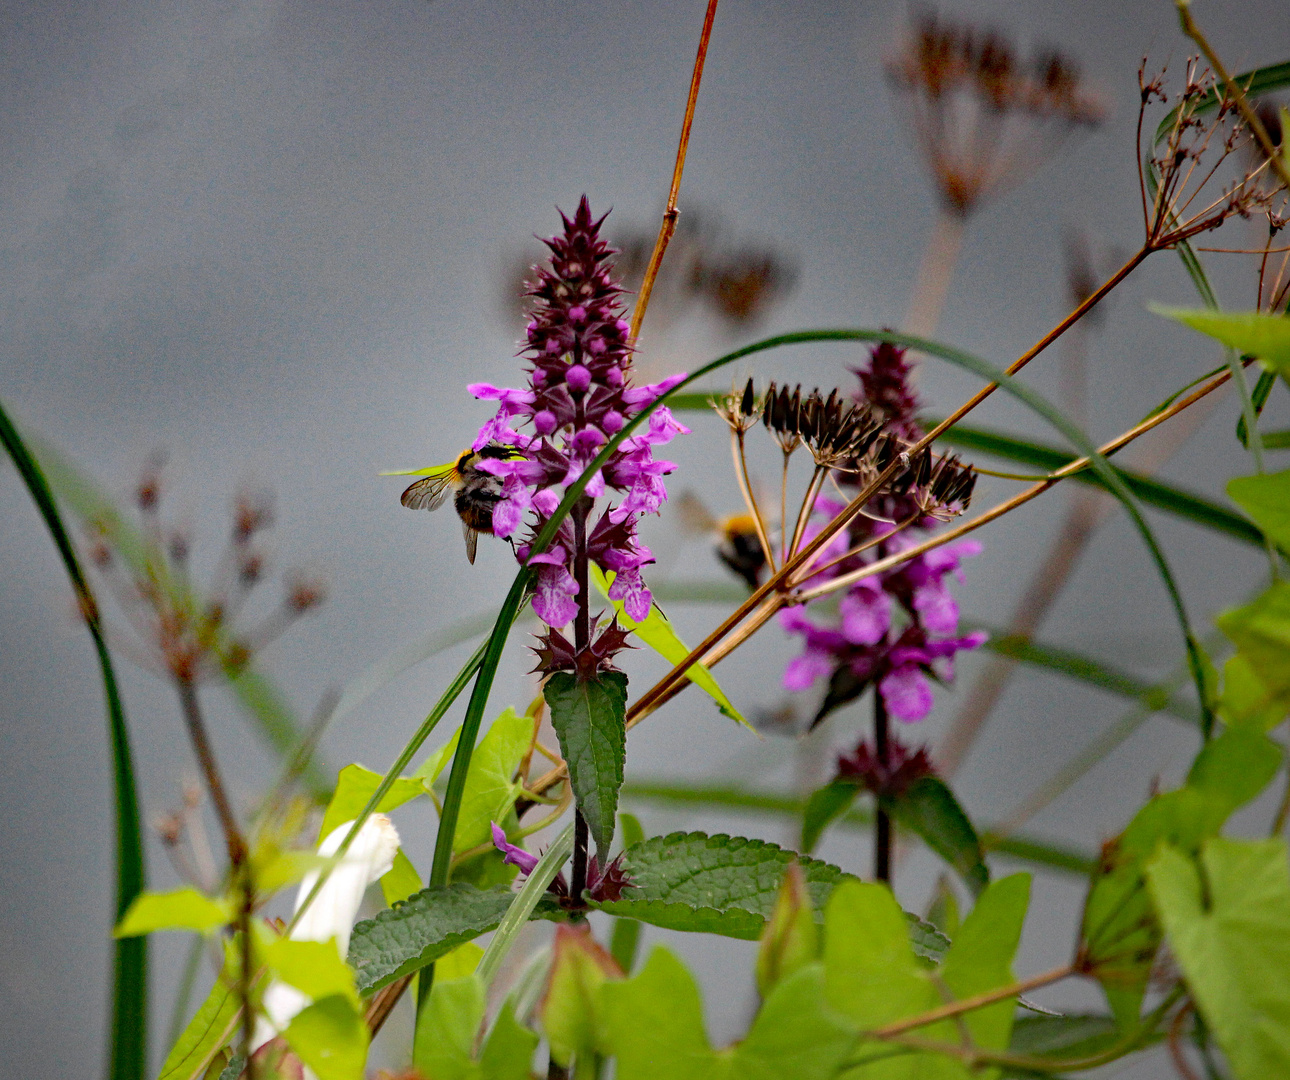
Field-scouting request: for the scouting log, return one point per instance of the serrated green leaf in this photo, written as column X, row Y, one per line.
column 330, row 1037
column 1266, row 498
column 627, row 932
column 182, row 909
column 208, row 1030
column 713, row 884
column 653, row 1024
column 491, row 787
column 1229, row 929
column 928, row 807
column 354, row 787
column 426, row 926
column 1251, row 333
column 825, row 806
column 1120, row 934
column 657, row 633
column 589, row 717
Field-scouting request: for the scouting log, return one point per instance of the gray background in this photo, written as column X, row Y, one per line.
column 270, row 238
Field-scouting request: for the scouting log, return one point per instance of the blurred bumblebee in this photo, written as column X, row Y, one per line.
column 475, row 492
column 735, row 537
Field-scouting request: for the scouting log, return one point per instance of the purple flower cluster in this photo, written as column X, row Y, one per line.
column 603, row 885
column 896, row 628
column 579, row 396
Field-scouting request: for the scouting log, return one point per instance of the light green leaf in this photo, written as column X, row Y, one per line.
column 1246, row 700
column 795, row 1034
column 210, row 1028
column 1228, row 922
column 508, row 1053
column 1251, row 333
column 657, row 633
column 330, row 1037
column 313, row 967
column 580, row 966
column 1266, row 498
column 790, row 940
column 928, row 807
column 430, row 769
column 491, row 788
column 1120, row 933
column 1261, row 632
column 589, row 717
column 401, row 881
column 449, row 1023
column 825, row 806
column 354, row 787
column 653, row 1025
column 182, row 909
column 275, row 869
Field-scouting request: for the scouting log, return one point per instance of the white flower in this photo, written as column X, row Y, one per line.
column 332, row 913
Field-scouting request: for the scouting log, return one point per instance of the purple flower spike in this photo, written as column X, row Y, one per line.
column 895, row 631
column 515, row 855
column 579, row 396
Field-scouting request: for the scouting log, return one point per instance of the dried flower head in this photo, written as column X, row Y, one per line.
column 887, row 779
column 981, row 114
column 179, row 633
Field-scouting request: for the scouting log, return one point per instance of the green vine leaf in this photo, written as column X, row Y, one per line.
column 589, row 717
column 824, row 807
column 1228, row 919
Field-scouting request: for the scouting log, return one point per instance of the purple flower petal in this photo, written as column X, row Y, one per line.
column 907, row 693
column 515, row 855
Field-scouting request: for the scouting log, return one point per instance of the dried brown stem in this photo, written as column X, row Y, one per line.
column 970, row 1004
column 745, row 489
column 671, row 213
column 935, row 272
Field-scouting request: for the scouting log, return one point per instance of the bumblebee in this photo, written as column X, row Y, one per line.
column 475, row 492
column 736, row 537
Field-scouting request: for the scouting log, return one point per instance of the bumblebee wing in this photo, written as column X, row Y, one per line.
column 428, row 494
column 696, row 519
column 472, row 541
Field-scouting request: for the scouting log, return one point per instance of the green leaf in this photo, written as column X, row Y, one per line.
column 1246, row 700
column 790, row 940
column 209, row 1029
column 589, row 717
column 1120, row 934
column 354, row 787
column 653, row 1024
column 1276, row 440
column 313, row 967
column 1251, row 333
column 1258, row 399
column 404, row 938
column 1228, row 921
column 491, row 788
column 330, row 1037
column 928, row 807
column 1261, row 632
column 401, row 881
column 580, row 966
column 182, row 909
column 129, row 1024
column 508, row 1053
column 825, row 806
column 1169, row 498
column 445, row 1040
column 1063, row 1037
column 712, row 884
column 1266, row 498
column 795, row 1034
column 657, row 633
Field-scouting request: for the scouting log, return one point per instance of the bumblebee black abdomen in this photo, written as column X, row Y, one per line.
column 741, row 551
column 474, row 504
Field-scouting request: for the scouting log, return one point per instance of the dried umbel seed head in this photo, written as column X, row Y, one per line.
column 741, row 410
column 251, row 514
column 305, row 594
column 981, row 115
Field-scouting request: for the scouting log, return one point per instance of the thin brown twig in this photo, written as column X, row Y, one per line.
column 745, row 489
column 969, row 1004
column 671, row 213
column 1234, row 91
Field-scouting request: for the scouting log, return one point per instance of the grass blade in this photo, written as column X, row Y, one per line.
column 129, row 1040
